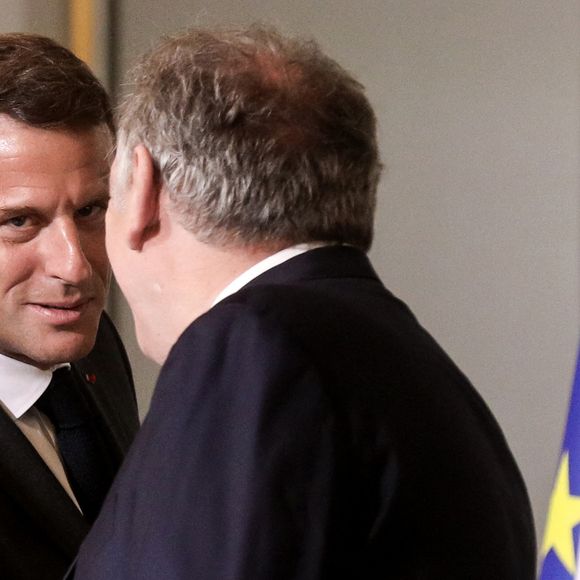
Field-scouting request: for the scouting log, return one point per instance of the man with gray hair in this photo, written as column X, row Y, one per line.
column 304, row 425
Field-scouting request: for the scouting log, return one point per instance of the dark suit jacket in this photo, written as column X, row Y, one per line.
column 40, row 527
column 309, row 428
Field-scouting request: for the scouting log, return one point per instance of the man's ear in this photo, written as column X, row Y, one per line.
column 144, row 199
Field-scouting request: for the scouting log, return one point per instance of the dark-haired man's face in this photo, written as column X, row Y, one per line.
column 54, row 271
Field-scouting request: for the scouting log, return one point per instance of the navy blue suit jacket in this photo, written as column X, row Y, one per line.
column 309, row 428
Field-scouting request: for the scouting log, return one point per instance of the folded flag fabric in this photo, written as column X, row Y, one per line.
column 559, row 552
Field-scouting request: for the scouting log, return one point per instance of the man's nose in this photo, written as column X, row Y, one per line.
column 65, row 257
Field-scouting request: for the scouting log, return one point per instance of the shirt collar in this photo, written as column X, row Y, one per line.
column 21, row 384
column 264, row 265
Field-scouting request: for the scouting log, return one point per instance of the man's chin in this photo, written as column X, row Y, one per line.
column 69, row 351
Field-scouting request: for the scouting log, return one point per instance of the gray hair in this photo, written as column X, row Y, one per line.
column 257, row 138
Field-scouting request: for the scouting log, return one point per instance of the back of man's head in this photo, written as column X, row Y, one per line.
column 44, row 85
column 257, row 138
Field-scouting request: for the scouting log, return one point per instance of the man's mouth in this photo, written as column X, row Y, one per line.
column 61, row 312
column 64, row 305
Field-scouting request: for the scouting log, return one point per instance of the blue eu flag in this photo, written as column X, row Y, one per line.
column 559, row 551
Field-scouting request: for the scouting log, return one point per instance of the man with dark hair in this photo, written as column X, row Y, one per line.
column 304, row 425
column 67, row 402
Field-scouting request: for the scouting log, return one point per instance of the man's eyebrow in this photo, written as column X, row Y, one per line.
column 18, row 207
column 9, row 211
column 101, row 195
column 98, row 192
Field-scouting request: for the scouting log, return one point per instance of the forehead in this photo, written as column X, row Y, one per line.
column 33, row 158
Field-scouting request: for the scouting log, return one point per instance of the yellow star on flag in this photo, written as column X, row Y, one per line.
column 563, row 515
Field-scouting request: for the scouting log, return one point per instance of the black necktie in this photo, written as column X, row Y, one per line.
column 79, row 442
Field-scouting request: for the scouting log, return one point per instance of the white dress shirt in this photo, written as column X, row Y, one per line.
column 264, row 265
column 21, row 385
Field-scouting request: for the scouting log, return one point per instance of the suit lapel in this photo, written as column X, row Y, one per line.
column 30, row 484
column 108, row 390
column 103, row 409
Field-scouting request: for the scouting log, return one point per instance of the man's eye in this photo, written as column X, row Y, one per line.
column 19, row 228
column 92, row 210
column 87, row 211
column 18, row 221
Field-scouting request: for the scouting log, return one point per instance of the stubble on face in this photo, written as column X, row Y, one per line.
column 54, row 272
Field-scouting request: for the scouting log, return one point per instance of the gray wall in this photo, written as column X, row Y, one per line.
column 48, row 17
column 477, row 228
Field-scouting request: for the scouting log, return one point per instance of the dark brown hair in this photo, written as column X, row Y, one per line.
column 43, row 84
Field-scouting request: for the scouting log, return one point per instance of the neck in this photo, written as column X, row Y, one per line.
column 189, row 276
